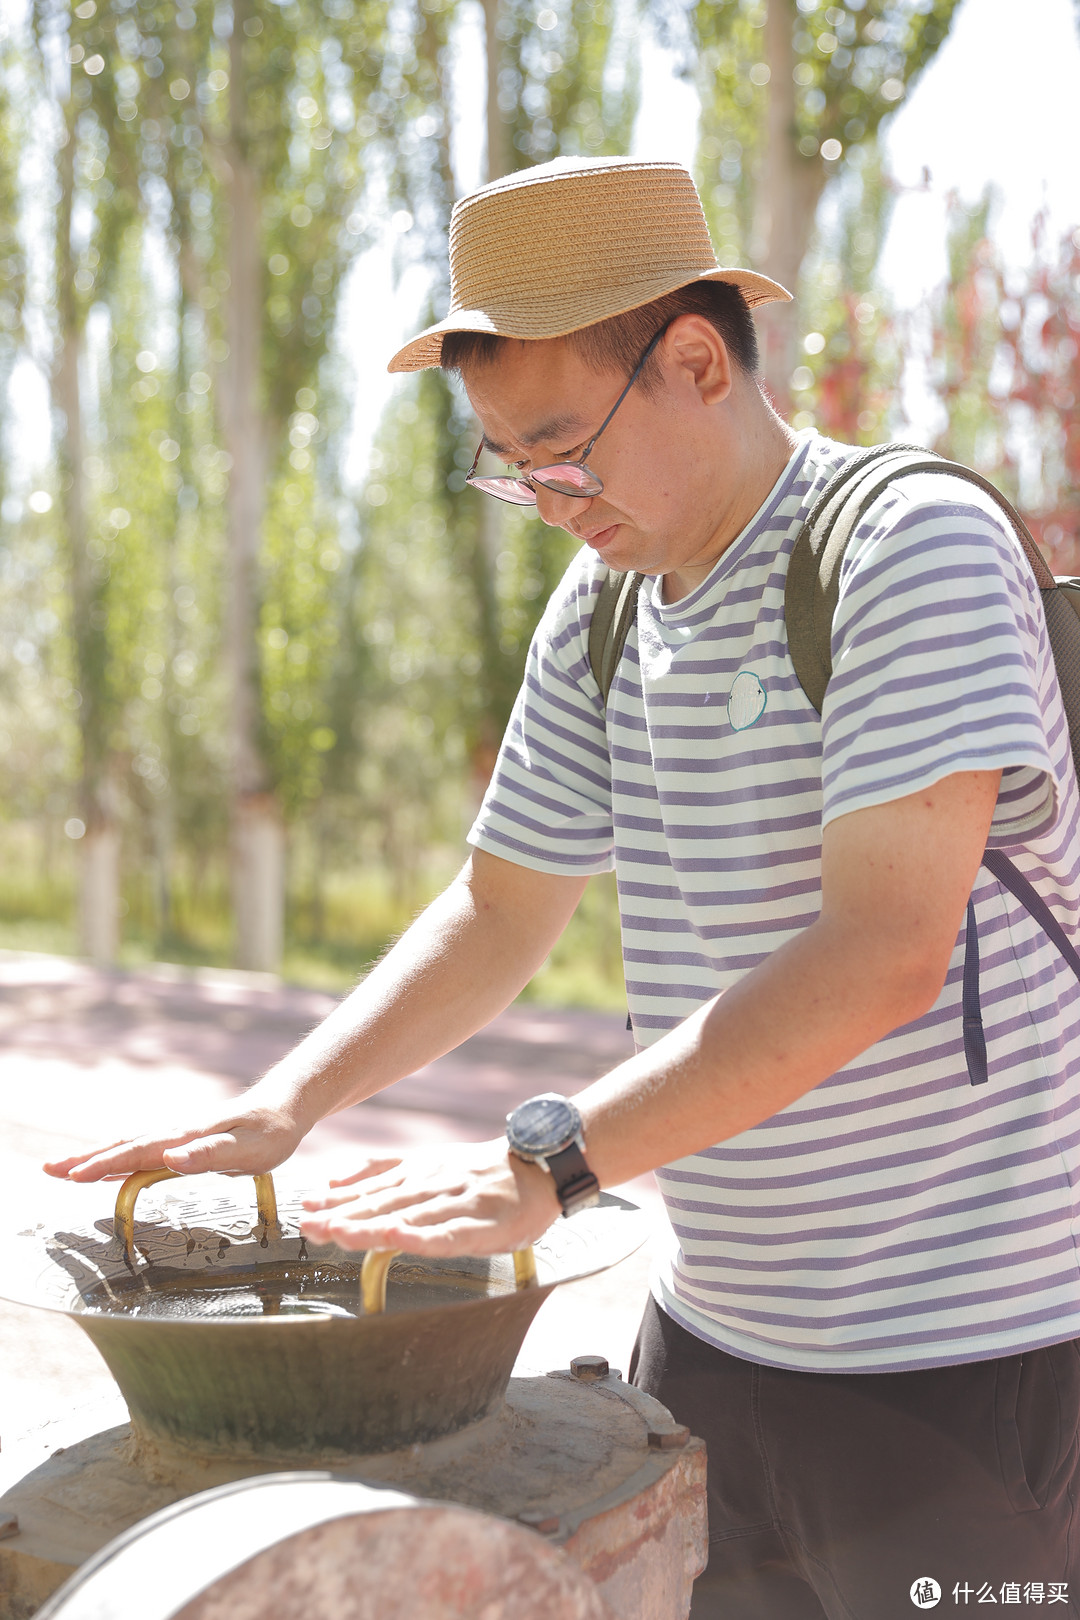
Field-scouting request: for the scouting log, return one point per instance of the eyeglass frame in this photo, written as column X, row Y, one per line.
column 525, row 482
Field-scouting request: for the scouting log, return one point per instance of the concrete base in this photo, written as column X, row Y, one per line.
column 595, row 1468
column 310, row 1547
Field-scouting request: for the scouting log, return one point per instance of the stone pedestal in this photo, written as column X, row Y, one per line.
column 585, row 1464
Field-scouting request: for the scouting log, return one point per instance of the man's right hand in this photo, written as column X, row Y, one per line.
column 240, row 1141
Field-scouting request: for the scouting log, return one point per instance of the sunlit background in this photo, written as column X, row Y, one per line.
column 259, row 645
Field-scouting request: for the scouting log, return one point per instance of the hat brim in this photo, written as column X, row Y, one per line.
column 535, row 323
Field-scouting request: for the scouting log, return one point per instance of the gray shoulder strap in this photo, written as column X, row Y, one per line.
column 612, row 615
column 813, row 578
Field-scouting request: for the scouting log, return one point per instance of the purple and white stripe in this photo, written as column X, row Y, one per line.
column 894, row 1216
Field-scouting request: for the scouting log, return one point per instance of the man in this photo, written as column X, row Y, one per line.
column 872, row 1294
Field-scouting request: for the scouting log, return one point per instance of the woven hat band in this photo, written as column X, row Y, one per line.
column 564, row 245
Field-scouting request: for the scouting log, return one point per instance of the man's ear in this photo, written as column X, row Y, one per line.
column 693, row 347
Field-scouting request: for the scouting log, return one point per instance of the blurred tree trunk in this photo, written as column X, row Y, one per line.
column 498, row 159
column 99, row 872
column 257, row 864
column 553, row 83
column 484, row 535
column 777, row 139
column 789, row 187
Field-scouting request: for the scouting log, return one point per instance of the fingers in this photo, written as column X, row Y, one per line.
column 216, row 1152
column 380, row 1176
column 371, row 1167
column 327, row 1200
column 245, row 1143
column 442, row 1234
column 64, row 1167
column 426, row 1216
column 375, row 1188
column 122, row 1158
column 382, row 1199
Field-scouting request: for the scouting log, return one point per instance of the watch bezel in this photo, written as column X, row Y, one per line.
column 537, row 1146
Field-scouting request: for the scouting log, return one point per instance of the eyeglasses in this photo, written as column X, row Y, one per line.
column 562, row 477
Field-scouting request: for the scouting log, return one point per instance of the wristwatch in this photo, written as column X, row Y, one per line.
column 547, row 1131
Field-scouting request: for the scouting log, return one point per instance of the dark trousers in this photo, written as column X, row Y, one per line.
column 830, row 1494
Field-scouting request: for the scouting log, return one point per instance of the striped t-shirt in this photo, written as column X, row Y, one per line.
column 894, row 1216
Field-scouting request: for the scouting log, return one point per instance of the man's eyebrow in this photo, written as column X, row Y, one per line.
column 550, row 430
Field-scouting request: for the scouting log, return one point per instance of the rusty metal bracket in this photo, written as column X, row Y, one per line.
column 525, row 1267
column 124, row 1217
column 376, row 1266
column 373, row 1279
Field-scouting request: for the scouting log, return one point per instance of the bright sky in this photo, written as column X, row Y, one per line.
column 999, row 104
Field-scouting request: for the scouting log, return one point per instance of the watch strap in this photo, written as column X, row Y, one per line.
column 575, row 1185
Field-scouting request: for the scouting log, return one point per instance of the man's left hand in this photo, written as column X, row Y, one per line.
column 472, row 1199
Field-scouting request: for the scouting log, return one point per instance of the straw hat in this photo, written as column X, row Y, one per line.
column 551, row 249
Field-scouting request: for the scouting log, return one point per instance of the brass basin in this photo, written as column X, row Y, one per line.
column 277, row 1382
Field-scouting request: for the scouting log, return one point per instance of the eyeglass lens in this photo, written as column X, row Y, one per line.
column 506, row 489
column 564, row 478
column 568, row 478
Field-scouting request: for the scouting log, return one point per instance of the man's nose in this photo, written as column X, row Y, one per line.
column 560, row 510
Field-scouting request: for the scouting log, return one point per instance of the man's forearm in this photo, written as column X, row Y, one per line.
column 462, row 961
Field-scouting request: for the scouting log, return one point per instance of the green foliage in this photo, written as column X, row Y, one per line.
column 966, row 338
column 585, row 968
column 563, row 89
column 299, row 635
column 162, row 104
column 852, row 65
column 151, row 113
column 12, row 251
column 447, row 624
column 38, row 699
column 451, row 585
column 852, row 359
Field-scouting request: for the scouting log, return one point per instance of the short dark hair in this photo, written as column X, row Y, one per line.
column 617, row 344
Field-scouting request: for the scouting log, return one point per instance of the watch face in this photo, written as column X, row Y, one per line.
column 543, row 1124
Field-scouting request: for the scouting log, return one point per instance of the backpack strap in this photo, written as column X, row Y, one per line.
column 1010, row 877
column 811, row 594
column 613, row 613
column 812, row 589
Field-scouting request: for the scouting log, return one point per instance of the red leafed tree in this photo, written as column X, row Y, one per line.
column 1007, row 372
column 853, row 353
column 1040, row 341
column 854, row 400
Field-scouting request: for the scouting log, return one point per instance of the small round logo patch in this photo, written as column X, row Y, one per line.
column 746, row 703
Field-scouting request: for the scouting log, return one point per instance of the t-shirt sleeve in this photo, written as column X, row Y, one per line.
column 549, row 802
column 941, row 661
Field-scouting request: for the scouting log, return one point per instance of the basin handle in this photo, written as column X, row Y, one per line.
column 124, row 1219
column 376, row 1264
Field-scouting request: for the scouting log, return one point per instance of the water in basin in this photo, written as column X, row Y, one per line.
column 280, row 1289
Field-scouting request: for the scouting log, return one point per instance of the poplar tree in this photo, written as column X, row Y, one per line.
column 561, row 79
column 251, row 121
column 791, row 91
column 93, row 162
